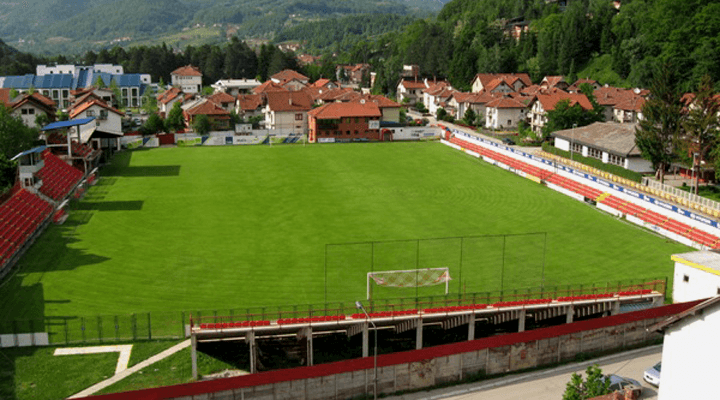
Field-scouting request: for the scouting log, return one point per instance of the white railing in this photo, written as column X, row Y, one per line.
column 681, row 194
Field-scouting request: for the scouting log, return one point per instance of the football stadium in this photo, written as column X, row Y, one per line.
column 164, row 235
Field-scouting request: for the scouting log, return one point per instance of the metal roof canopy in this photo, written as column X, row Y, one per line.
column 67, row 124
column 38, row 149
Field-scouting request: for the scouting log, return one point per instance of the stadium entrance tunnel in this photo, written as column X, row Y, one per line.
column 264, row 345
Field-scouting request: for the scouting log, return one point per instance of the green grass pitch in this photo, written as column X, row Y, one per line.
column 206, row 228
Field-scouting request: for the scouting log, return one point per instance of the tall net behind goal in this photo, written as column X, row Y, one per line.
column 411, row 278
column 475, row 263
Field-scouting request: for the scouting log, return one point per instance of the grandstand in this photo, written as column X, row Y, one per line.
column 661, row 222
column 45, row 182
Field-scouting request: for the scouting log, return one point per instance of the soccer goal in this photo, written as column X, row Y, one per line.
column 409, row 278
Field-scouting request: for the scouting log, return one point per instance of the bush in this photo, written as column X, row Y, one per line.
column 595, row 163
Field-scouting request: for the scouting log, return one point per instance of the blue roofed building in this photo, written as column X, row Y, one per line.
column 58, row 81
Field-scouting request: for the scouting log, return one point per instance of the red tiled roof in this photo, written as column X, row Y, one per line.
column 222, row 97
column 576, row 85
column 410, row 84
column 333, row 94
column 288, row 74
column 168, row 95
column 249, row 102
column 505, row 102
column 610, row 96
column 350, row 95
column 549, row 101
column 351, row 109
column 634, row 103
column 269, row 86
column 485, row 79
column 84, row 106
column 497, row 82
column 207, row 108
column 382, row 101
column 187, row 70
column 288, row 101
column 321, row 82
column 552, row 81
column 43, row 99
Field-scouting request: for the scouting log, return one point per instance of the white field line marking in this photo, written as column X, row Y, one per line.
column 137, row 367
column 123, row 360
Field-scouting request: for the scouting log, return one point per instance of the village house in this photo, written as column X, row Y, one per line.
column 234, row 87
column 28, row 106
column 187, row 78
column 345, row 122
column 481, row 82
column 105, row 130
column 410, row 91
column 287, row 111
column 169, row 97
column 544, row 102
column 248, row 105
column 504, row 113
column 219, row 117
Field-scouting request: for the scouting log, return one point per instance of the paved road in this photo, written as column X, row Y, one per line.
column 549, row 384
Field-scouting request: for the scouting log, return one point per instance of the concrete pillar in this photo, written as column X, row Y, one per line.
column 193, row 356
column 418, row 335
column 250, row 340
column 658, row 301
column 306, row 334
column 471, row 327
column 570, row 312
column 521, row 320
column 615, row 309
column 365, row 340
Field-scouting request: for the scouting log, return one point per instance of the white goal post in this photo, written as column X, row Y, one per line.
column 409, row 278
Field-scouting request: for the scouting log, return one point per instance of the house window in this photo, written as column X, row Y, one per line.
column 298, row 117
column 347, row 133
column 31, row 111
column 90, row 113
column 64, row 93
column 357, row 120
column 686, row 278
column 23, row 111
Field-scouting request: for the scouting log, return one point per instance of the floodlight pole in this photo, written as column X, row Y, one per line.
column 359, row 306
column 572, row 142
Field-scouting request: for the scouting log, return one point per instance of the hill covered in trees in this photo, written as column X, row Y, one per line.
column 586, row 38
column 74, row 26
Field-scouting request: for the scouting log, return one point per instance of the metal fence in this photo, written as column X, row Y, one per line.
column 172, row 325
column 398, row 304
column 685, row 198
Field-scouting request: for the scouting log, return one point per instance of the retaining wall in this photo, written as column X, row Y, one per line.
column 424, row 368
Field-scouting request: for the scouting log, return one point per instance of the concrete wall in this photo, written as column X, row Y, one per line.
column 430, row 366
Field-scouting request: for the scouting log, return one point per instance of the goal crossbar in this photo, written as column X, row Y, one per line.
column 409, row 278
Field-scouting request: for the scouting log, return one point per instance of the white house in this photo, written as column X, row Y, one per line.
column 235, row 87
column 105, row 130
column 504, row 112
column 546, row 101
column 696, row 276
column 287, row 111
column 187, row 78
column 689, row 349
column 28, row 106
column 168, row 98
column 609, row 142
column 410, row 91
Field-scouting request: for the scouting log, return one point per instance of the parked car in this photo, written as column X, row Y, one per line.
column 652, row 375
column 618, row 383
column 508, row 141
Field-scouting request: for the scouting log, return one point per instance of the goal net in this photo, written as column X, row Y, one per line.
column 409, row 278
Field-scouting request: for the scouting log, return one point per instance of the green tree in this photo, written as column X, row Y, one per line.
column 565, row 116
column 7, row 172
column 120, row 101
column 175, row 120
column 154, row 124
column 99, row 83
column 595, row 384
column 15, row 136
column 201, row 124
column 41, row 120
column 658, row 132
column 702, row 125
column 14, row 93
column 469, row 117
